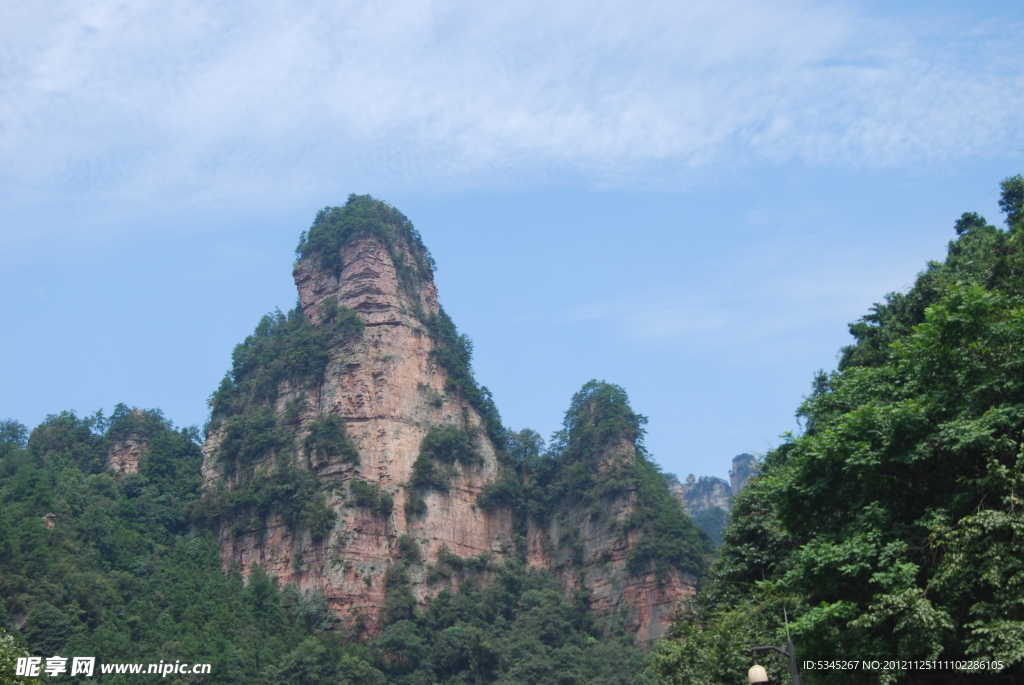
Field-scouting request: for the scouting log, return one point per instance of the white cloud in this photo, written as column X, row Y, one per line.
column 755, row 299
column 152, row 100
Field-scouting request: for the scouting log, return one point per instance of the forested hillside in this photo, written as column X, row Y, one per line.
column 891, row 525
column 353, row 513
column 127, row 574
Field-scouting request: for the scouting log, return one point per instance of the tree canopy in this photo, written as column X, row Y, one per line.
column 890, row 527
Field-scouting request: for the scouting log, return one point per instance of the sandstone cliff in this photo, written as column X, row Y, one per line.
column 351, row 430
column 124, row 455
column 390, row 391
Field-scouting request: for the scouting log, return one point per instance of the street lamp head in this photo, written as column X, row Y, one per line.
column 757, row 674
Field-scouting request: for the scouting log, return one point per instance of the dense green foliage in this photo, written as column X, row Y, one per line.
column 120, row 575
column 518, row 628
column 364, row 217
column 283, row 347
column 891, row 527
column 328, row 438
column 124, row 576
column 250, row 436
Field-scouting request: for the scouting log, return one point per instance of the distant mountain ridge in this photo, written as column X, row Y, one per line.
column 708, row 499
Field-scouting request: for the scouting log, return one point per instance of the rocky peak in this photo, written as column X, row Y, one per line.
column 367, row 283
column 365, row 256
column 129, row 435
column 744, row 467
column 601, row 536
column 709, row 499
column 358, row 423
column 709, row 492
column 351, row 452
column 697, row 495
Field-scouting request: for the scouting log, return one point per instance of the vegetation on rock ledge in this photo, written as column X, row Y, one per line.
column 282, row 348
column 329, row 438
column 440, row 448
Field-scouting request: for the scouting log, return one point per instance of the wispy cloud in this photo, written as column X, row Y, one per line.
column 153, row 100
column 755, row 299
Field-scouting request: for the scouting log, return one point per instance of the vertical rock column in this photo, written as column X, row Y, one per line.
column 390, row 391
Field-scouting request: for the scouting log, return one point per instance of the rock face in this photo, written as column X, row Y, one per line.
column 124, row 455
column 390, row 393
column 391, row 390
column 744, row 467
column 709, row 499
column 701, row 495
column 709, row 492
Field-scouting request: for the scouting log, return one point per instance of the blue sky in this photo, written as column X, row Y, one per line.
column 689, row 199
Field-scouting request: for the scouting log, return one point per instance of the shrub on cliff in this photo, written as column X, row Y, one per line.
column 371, row 496
column 328, row 438
column 283, row 347
column 440, row 448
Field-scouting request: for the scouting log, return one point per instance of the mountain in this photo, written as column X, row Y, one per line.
column 368, row 392
column 361, row 405
column 354, row 512
column 744, row 467
column 708, row 499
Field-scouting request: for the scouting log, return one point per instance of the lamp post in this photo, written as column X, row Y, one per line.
column 757, row 674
